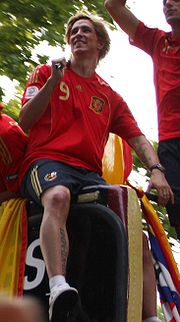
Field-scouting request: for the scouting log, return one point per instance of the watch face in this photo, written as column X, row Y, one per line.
column 158, row 166
column 161, row 167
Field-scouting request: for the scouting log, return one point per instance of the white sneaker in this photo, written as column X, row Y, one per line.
column 62, row 300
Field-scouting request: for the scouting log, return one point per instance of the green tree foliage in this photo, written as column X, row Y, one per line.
column 12, row 109
column 25, row 23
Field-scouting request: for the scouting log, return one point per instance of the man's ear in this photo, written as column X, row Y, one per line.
column 100, row 44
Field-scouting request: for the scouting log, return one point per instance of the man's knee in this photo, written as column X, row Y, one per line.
column 56, row 197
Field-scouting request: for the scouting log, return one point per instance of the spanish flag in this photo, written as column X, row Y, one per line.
column 167, row 273
column 13, row 242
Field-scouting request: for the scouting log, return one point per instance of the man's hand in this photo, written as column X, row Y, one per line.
column 149, row 157
column 158, row 182
column 58, row 67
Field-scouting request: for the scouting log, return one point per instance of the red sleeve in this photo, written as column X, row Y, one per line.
column 146, row 38
column 37, row 80
column 123, row 122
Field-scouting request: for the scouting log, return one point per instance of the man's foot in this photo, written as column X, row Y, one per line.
column 62, row 300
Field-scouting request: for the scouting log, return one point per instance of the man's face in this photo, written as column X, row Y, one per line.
column 172, row 11
column 83, row 38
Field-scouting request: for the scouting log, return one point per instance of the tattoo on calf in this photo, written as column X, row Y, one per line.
column 64, row 249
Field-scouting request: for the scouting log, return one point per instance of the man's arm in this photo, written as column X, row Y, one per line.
column 122, row 16
column 148, row 156
column 32, row 111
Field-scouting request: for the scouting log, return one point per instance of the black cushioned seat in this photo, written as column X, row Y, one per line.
column 97, row 264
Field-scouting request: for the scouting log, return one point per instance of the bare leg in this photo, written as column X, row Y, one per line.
column 149, row 283
column 55, row 247
column 53, row 235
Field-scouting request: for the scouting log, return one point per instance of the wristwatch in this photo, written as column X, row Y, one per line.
column 158, row 166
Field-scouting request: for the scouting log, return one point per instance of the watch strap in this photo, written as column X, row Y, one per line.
column 158, row 166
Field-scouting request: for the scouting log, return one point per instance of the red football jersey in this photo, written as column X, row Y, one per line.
column 76, row 124
column 13, row 143
column 165, row 52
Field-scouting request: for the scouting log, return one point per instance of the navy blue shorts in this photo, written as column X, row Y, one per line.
column 45, row 173
column 169, row 155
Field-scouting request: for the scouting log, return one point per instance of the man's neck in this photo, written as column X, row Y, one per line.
column 84, row 68
column 176, row 30
column 176, row 33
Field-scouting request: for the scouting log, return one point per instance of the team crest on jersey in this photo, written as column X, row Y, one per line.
column 31, row 91
column 50, row 176
column 97, row 104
